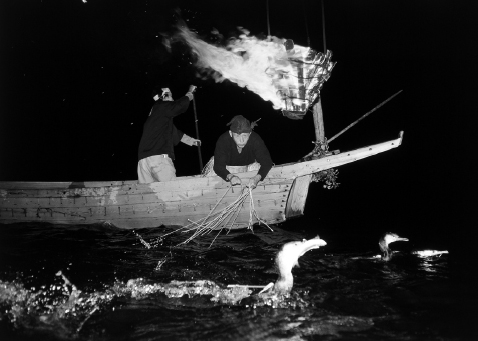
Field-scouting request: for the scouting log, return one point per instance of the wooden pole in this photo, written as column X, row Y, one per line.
column 197, row 134
column 361, row 118
column 318, row 114
column 319, row 121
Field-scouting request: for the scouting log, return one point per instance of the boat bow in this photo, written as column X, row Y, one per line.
column 309, row 167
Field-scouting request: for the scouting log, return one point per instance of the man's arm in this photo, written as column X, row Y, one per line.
column 190, row 141
column 263, row 157
column 220, row 158
column 176, row 108
column 177, row 135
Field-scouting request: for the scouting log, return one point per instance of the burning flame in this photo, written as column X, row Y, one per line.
column 288, row 75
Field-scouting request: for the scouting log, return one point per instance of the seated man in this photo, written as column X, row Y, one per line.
column 240, row 146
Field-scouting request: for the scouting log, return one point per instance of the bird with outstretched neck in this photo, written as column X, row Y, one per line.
column 386, row 239
column 288, row 257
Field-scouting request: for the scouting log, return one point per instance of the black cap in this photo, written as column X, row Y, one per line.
column 239, row 125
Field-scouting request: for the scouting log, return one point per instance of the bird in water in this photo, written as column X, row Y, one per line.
column 286, row 259
column 390, row 237
column 386, row 239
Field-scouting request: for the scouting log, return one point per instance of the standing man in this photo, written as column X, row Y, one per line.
column 160, row 135
column 240, row 146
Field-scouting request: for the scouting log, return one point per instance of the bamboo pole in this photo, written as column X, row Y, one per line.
column 361, row 118
column 197, row 134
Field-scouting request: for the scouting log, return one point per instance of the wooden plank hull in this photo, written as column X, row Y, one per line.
column 127, row 204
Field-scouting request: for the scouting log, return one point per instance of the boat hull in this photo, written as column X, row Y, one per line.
column 184, row 201
column 133, row 205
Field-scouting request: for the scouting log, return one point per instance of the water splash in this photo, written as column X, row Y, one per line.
column 337, row 295
column 61, row 309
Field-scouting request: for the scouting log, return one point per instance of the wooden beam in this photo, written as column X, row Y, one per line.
column 319, row 121
column 298, row 196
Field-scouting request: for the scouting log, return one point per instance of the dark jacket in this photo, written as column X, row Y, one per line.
column 160, row 135
column 226, row 154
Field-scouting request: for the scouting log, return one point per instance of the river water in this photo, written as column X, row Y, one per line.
column 103, row 283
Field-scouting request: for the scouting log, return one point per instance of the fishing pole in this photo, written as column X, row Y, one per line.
column 354, row 123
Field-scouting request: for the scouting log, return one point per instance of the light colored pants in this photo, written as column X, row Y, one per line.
column 156, row 168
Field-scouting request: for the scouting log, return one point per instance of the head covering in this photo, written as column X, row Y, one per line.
column 239, row 125
column 165, row 91
column 159, row 92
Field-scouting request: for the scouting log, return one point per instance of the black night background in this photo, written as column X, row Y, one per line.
column 76, row 81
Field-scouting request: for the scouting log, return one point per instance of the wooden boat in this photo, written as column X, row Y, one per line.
column 297, row 75
column 129, row 205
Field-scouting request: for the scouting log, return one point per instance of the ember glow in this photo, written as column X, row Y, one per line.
column 288, row 75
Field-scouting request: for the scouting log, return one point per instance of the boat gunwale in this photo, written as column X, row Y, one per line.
column 283, row 171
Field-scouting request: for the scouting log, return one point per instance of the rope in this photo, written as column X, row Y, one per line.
column 222, row 218
column 202, row 226
column 305, row 21
column 323, row 25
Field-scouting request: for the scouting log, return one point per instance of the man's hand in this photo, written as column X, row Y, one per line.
column 190, row 141
column 190, row 92
column 234, row 179
column 254, row 180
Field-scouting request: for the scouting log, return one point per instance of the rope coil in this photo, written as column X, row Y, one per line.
column 222, row 219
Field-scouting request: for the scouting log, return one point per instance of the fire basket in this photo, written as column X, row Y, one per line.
column 300, row 82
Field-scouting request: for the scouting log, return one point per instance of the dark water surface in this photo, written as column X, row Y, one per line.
column 102, row 283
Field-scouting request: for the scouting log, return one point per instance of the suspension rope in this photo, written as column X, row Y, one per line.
column 305, row 21
column 323, row 25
